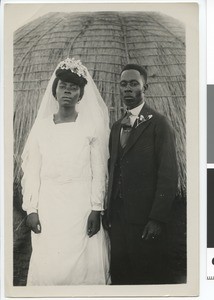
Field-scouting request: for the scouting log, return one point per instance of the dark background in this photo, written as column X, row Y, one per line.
column 210, row 208
column 210, row 172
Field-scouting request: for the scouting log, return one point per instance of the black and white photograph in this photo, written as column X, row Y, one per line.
column 100, row 191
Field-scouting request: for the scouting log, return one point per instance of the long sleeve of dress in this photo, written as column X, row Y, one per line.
column 31, row 179
column 99, row 175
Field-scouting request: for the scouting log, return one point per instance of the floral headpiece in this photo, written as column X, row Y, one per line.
column 75, row 66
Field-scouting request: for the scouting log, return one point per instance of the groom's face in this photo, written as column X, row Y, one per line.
column 132, row 88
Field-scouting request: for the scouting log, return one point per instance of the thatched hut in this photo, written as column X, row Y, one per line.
column 104, row 41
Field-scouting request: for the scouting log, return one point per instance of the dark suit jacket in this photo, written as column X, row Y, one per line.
column 148, row 169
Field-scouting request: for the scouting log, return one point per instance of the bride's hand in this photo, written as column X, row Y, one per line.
column 93, row 225
column 33, row 222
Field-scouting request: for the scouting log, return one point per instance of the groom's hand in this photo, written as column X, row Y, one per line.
column 33, row 222
column 93, row 225
column 152, row 230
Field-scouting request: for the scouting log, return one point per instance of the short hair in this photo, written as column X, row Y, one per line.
column 68, row 76
column 136, row 67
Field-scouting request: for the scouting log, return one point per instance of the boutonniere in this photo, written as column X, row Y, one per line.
column 141, row 119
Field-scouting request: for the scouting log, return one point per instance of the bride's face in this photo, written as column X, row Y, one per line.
column 67, row 93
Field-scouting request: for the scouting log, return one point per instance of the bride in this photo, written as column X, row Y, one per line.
column 65, row 172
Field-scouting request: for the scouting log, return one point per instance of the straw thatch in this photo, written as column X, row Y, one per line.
column 104, row 41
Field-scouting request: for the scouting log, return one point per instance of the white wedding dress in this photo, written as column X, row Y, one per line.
column 64, row 179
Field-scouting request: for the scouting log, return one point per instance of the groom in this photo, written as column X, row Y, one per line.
column 142, row 186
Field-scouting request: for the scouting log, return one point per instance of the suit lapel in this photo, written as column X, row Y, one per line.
column 137, row 131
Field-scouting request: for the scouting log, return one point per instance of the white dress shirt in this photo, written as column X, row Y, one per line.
column 135, row 112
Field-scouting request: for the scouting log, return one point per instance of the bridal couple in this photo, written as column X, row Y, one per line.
column 71, row 167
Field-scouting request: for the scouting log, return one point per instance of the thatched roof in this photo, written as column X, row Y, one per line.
column 104, row 41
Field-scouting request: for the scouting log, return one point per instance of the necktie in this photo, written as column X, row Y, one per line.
column 126, row 125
